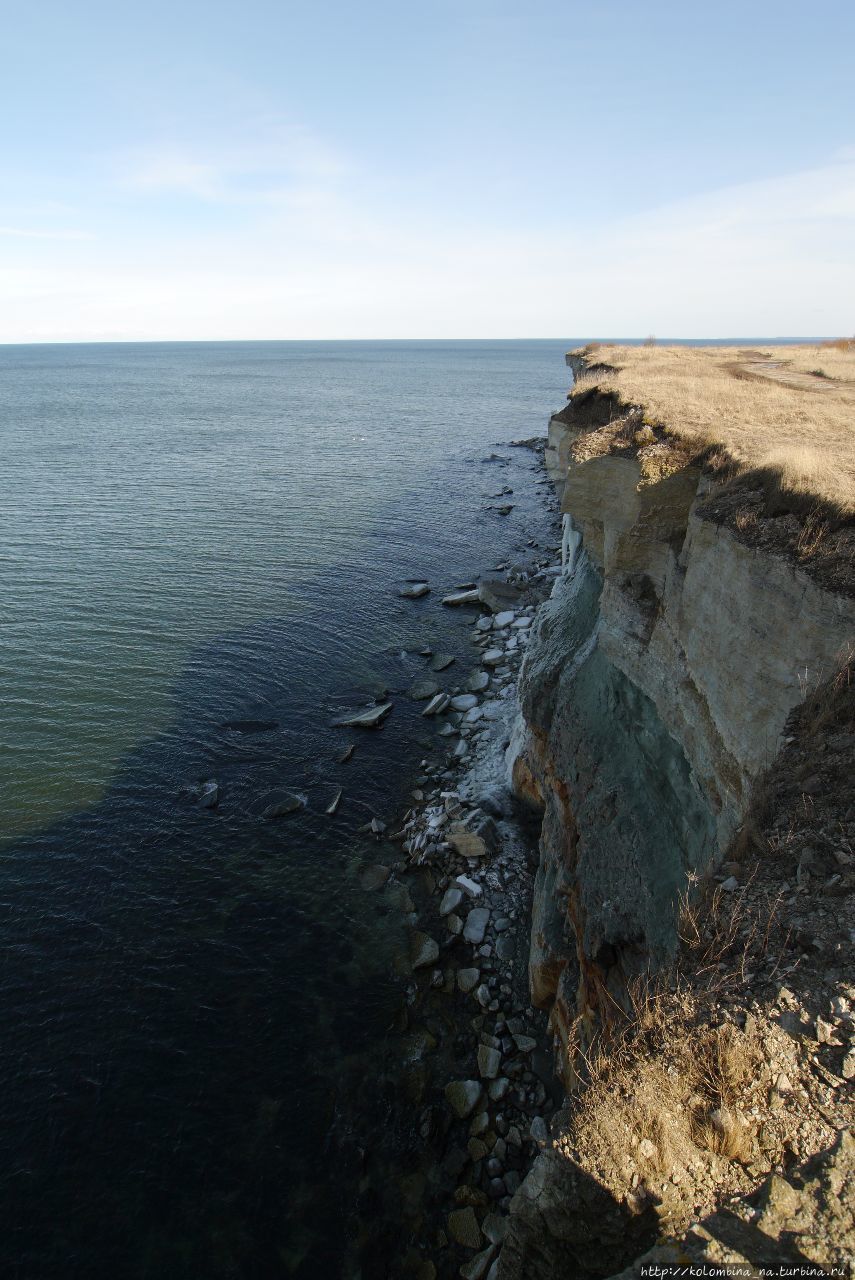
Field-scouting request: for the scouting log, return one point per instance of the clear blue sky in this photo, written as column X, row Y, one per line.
column 446, row 169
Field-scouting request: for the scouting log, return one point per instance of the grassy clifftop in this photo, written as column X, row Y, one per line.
column 787, row 412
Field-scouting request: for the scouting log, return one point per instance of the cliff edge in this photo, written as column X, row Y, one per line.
column 688, row 732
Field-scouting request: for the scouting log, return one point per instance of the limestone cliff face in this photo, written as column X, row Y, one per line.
column 655, row 691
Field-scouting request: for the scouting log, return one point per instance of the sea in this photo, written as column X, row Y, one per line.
column 202, row 549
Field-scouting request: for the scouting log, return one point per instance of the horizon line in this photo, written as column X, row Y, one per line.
column 665, row 341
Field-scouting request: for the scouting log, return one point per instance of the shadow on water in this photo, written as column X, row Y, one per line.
column 194, row 1001
column 199, row 1057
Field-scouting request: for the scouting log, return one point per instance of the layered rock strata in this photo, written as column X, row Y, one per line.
column 655, row 692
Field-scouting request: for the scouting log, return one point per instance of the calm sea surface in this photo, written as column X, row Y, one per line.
column 201, row 548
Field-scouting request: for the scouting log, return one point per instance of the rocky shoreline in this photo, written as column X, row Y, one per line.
column 480, row 1072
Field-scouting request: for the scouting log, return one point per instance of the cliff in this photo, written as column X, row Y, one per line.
column 660, row 697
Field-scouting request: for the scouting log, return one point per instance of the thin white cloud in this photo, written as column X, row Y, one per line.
column 327, row 258
column 45, row 233
column 263, row 166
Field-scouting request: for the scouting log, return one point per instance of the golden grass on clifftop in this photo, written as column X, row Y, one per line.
column 788, row 412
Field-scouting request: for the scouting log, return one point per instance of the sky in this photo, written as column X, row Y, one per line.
column 465, row 169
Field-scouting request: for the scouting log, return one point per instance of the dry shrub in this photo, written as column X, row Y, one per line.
column 746, row 522
column 724, row 1061
column 722, row 1134
column 724, row 935
column 831, row 704
column 813, row 534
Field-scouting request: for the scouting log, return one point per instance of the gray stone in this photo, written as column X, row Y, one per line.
column 437, row 704
column 463, row 1096
column 480, row 1124
column 476, row 1269
column 414, row 590
column 476, row 925
column 423, row 689
column 440, row 661
column 464, row 702
column 463, row 1228
column 469, row 844
column 503, row 619
column 371, row 718
column 374, row 877
column 493, row 657
column 489, row 1061
column 494, row 1228
column 538, row 1130
column 505, row 947
column 451, row 900
column 497, row 594
column 469, row 885
column 498, row 1088
column 467, row 979
column 209, row 796
column 423, row 950
column 462, row 597
column 280, row 803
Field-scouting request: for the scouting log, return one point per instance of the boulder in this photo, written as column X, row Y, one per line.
column 463, row 1096
column 498, row 595
column 370, row 718
column 467, row 843
column 424, row 689
column 279, row 803
column 451, row 900
column 414, row 590
column 476, row 925
column 424, row 950
column 464, row 702
column 463, row 1228
column 374, row 877
column 209, row 796
column 467, row 979
column 334, row 802
column 489, row 1061
column 437, row 704
column 472, row 887
column 462, row 597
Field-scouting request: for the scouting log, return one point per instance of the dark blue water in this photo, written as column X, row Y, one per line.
column 198, row 1007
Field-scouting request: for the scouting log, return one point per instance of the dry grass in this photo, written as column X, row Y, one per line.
column 667, row 1088
column 830, row 706
column 787, row 413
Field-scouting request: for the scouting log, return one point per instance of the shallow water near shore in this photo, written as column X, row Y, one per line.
column 202, row 549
